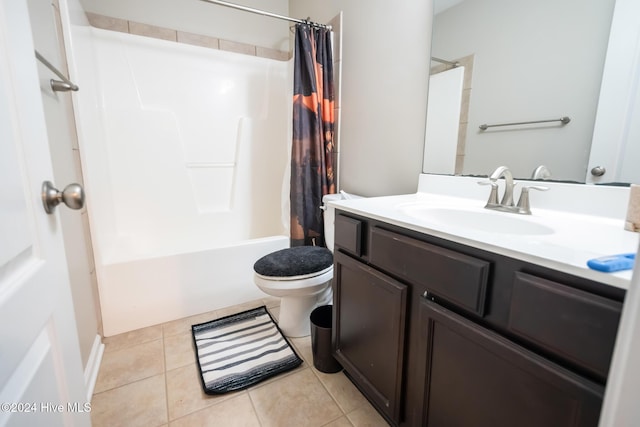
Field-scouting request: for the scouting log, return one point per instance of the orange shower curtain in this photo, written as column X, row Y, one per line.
column 312, row 169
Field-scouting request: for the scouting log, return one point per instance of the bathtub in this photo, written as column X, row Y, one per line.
column 186, row 183
column 153, row 290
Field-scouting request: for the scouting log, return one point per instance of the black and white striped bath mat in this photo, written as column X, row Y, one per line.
column 240, row 350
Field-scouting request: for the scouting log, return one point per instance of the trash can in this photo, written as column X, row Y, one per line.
column 323, row 359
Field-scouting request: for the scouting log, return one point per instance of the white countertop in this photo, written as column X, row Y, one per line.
column 576, row 237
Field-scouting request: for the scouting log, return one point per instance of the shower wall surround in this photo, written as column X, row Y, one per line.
column 194, row 139
column 185, row 157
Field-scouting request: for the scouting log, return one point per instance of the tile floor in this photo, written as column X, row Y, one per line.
column 149, row 378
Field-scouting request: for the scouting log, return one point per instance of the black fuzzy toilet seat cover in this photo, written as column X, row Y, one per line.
column 296, row 261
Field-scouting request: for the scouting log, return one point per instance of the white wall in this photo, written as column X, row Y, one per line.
column 385, row 51
column 203, row 18
column 533, row 61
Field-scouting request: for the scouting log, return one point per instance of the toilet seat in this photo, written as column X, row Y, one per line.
column 299, row 277
column 280, row 286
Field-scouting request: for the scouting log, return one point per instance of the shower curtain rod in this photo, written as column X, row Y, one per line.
column 262, row 12
column 444, row 61
column 57, row 85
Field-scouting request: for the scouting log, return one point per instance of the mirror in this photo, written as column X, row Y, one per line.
column 523, row 61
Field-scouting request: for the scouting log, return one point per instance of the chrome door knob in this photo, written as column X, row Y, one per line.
column 72, row 196
column 598, row 171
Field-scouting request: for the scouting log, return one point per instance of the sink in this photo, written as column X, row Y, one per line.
column 478, row 219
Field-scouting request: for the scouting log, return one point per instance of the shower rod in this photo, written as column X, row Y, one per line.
column 262, row 12
column 57, row 85
column 444, row 61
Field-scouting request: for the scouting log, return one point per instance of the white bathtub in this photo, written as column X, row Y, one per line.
column 149, row 291
column 185, row 161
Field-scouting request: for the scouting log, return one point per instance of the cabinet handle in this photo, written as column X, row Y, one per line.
column 428, row 296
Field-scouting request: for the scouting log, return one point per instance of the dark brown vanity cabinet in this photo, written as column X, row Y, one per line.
column 369, row 331
column 439, row 334
column 475, row 377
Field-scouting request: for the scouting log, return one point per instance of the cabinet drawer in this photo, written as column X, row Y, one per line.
column 575, row 325
column 450, row 275
column 348, row 234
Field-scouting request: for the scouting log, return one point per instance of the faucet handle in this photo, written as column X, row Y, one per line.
column 524, row 206
column 493, row 196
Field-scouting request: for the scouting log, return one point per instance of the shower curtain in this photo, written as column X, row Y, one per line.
column 312, row 169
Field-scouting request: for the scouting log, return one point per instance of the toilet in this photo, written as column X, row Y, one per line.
column 300, row 277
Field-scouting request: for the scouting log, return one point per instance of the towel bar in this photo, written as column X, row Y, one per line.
column 564, row 121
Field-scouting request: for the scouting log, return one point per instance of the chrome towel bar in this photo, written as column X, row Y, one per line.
column 57, row 85
column 564, row 121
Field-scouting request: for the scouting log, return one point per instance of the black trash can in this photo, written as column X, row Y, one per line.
column 321, row 340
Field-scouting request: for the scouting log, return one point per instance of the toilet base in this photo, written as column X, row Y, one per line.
column 293, row 319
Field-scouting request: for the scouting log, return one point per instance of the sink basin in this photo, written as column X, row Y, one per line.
column 479, row 219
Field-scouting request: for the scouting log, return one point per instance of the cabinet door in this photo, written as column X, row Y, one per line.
column 474, row 377
column 369, row 331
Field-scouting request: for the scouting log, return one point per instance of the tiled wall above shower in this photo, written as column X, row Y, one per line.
column 137, row 28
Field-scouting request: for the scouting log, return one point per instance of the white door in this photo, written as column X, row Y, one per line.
column 615, row 149
column 41, row 379
column 63, row 145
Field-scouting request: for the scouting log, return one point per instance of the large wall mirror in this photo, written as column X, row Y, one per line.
column 522, row 61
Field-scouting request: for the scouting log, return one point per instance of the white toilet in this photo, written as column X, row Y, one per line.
column 300, row 277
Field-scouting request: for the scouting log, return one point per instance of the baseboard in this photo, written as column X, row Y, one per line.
column 93, row 366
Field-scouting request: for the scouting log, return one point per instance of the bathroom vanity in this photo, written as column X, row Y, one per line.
column 475, row 324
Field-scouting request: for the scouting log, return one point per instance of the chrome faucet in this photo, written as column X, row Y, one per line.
column 503, row 171
column 506, row 204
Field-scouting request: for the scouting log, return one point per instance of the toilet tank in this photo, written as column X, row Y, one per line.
column 330, row 214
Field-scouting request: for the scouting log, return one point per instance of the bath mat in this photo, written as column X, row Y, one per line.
column 240, row 350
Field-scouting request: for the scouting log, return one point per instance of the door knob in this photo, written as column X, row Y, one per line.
column 598, row 171
column 72, row 196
